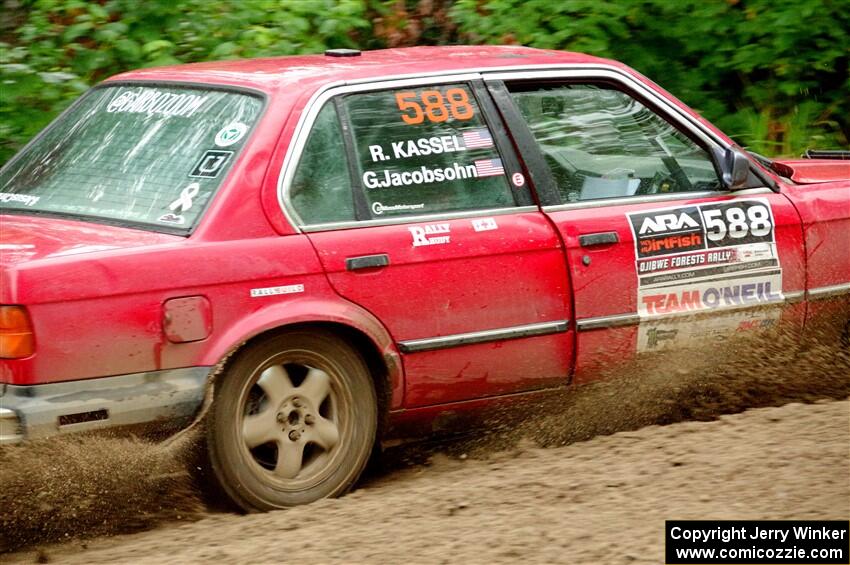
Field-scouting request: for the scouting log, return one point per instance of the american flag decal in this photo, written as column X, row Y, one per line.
column 489, row 168
column 477, row 139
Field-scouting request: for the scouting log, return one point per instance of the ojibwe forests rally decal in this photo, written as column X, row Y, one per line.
column 703, row 257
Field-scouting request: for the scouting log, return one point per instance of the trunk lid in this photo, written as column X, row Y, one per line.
column 25, row 238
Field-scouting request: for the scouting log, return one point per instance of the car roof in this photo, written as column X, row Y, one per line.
column 273, row 73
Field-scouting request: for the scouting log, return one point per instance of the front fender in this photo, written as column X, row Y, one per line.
column 312, row 310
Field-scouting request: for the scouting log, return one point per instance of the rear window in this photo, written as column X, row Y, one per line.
column 150, row 155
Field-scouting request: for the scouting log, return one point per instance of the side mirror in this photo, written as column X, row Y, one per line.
column 734, row 167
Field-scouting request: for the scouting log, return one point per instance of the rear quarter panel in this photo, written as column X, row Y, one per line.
column 101, row 314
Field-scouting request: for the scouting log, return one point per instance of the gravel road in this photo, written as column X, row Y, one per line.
column 586, row 476
column 598, row 501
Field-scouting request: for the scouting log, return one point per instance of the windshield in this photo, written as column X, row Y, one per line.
column 151, row 155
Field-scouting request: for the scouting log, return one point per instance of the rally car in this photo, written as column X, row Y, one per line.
column 338, row 249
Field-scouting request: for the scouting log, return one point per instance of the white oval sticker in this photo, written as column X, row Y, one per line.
column 518, row 179
column 230, row 134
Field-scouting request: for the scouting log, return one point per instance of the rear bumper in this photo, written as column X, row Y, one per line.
column 29, row 412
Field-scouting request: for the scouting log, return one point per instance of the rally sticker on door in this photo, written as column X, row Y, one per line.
column 431, row 234
column 705, row 256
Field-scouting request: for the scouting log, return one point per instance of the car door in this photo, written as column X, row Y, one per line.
column 662, row 258
column 419, row 213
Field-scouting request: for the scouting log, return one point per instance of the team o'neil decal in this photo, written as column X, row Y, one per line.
column 705, row 256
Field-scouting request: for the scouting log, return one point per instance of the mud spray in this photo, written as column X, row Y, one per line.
column 697, row 385
column 58, row 490
column 55, row 490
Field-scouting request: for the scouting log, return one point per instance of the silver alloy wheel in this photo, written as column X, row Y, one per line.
column 293, row 420
column 291, row 424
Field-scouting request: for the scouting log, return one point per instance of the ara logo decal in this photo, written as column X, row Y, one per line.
column 666, row 223
column 664, row 232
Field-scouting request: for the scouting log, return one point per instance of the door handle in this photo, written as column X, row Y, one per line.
column 367, row 262
column 602, row 238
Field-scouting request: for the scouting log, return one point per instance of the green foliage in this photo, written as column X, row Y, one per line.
column 771, row 73
column 66, row 45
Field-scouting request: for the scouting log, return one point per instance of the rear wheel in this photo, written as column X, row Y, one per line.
column 293, row 421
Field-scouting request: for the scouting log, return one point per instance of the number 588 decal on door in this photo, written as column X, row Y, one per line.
column 737, row 223
column 705, row 256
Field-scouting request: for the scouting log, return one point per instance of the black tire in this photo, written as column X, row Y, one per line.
column 272, row 391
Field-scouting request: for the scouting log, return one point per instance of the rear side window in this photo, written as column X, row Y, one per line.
column 150, row 155
column 321, row 188
column 425, row 150
column 600, row 142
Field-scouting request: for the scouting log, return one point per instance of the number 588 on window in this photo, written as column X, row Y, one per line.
column 433, row 105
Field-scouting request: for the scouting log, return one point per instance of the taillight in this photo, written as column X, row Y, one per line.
column 16, row 337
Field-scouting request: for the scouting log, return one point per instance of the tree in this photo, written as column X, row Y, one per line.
column 771, row 73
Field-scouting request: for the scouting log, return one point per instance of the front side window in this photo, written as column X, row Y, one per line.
column 425, row 150
column 143, row 155
column 601, row 143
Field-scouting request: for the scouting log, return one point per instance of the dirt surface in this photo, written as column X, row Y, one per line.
column 599, row 501
column 587, row 475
